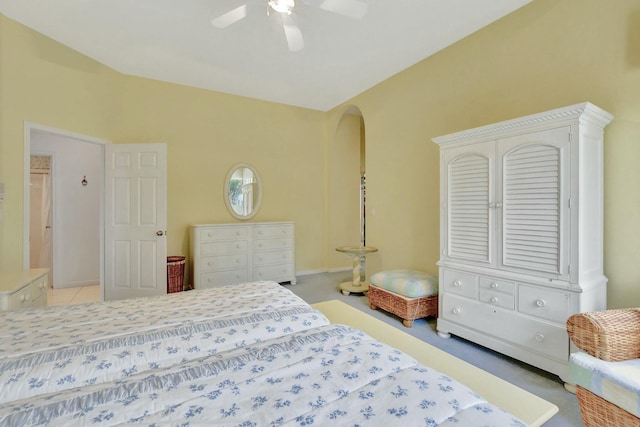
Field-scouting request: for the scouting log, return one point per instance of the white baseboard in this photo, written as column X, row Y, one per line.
column 318, row 271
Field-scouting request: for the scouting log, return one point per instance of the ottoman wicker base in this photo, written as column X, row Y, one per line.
column 407, row 309
column 597, row 412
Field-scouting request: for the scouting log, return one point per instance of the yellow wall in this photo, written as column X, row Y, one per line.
column 206, row 133
column 343, row 189
column 548, row 54
column 47, row 83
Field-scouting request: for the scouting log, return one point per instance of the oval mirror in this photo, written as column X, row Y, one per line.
column 242, row 191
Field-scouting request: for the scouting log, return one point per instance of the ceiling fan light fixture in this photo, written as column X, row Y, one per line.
column 282, row 6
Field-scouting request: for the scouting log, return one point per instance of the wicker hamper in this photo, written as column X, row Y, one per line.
column 175, row 274
column 408, row 309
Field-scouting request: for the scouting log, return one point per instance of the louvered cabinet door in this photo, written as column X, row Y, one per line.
column 533, row 200
column 469, row 216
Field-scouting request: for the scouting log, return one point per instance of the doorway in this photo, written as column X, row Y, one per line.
column 63, row 193
column 40, row 250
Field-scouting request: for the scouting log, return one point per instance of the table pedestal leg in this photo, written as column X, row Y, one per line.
column 357, row 285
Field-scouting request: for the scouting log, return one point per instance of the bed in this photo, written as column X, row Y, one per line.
column 251, row 354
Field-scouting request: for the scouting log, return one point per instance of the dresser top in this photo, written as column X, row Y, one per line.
column 11, row 281
column 242, row 224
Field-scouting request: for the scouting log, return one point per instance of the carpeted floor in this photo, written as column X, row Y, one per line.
column 324, row 286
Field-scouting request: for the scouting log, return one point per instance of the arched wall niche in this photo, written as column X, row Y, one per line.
column 346, row 179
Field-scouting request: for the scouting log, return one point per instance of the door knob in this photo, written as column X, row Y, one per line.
column 159, row 233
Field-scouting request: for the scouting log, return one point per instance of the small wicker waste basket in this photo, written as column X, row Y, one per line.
column 175, row 274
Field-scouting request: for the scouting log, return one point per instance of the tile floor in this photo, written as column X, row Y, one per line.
column 79, row 295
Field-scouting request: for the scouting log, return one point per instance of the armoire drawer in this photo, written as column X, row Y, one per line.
column 221, row 278
column 272, row 257
column 459, row 283
column 223, row 262
column 544, row 303
column 496, row 292
column 223, row 233
column 539, row 336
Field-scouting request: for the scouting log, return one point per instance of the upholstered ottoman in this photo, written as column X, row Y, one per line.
column 408, row 294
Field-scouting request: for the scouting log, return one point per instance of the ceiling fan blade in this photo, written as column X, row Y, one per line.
column 292, row 33
column 355, row 9
column 230, row 17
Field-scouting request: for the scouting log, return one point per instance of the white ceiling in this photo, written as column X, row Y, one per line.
column 174, row 41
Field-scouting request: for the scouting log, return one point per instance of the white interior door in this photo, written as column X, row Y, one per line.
column 135, row 220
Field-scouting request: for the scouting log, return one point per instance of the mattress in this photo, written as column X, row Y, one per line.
column 243, row 355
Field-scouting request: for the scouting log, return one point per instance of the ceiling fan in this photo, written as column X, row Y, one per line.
column 285, row 8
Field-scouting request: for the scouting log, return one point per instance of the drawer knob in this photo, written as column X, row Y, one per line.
column 210, row 234
column 539, row 337
column 540, row 303
column 237, row 233
column 457, row 284
column 456, row 310
column 259, row 258
column 260, row 232
column 237, row 261
column 237, row 246
column 259, row 245
column 493, row 285
column 493, row 300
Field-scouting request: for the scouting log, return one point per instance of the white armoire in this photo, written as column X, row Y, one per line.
column 521, row 232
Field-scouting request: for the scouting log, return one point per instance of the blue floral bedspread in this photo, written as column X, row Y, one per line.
column 266, row 360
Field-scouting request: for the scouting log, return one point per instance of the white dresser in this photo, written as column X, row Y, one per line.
column 223, row 254
column 521, row 232
column 23, row 288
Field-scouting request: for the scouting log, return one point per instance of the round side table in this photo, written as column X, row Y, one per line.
column 357, row 285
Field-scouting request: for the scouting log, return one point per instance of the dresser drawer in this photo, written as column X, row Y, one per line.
column 263, row 231
column 269, row 244
column 39, row 287
column 221, row 278
column 223, row 233
column 460, row 283
column 217, row 248
column 223, row 262
column 544, row 303
column 20, row 299
column 278, row 273
column 273, row 257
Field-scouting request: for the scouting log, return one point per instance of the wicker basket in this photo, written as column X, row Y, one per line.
column 175, row 274
column 597, row 412
column 610, row 335
column 408, row 309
